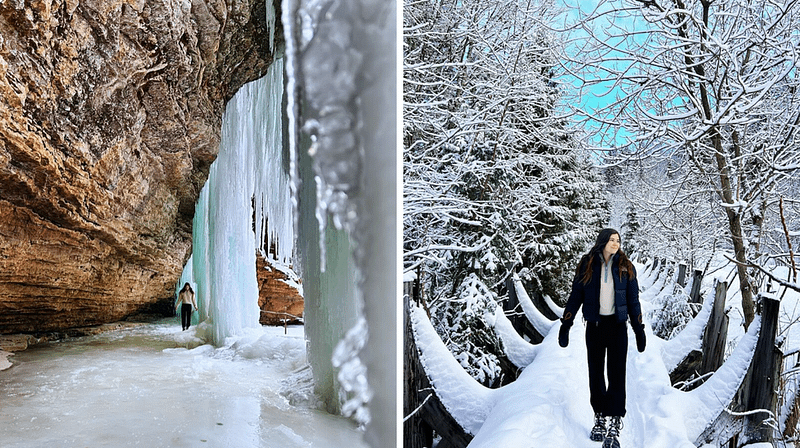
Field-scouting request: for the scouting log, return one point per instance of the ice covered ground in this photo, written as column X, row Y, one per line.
column 143, row 387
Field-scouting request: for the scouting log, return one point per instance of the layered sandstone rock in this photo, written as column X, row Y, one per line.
column 110, row 116
column 279, row 297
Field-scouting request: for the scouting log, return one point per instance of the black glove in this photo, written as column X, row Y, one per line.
column 563, row 333
column 641, row 341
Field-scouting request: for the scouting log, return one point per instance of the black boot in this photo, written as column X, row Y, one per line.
column 599, row 428
column 612, row 437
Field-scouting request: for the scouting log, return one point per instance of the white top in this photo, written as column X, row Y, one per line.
column 606, row 288
column 187, row 298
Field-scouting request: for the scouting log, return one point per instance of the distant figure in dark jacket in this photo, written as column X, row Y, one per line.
column 605, row 284
column 187, row 303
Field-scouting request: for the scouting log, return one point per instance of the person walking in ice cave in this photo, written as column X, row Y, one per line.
column 605, row 285
column 187, row 304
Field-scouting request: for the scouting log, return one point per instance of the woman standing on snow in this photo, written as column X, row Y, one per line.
column 605, row 284
column 186, row 300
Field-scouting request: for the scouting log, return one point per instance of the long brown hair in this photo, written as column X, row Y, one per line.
column 588, row 260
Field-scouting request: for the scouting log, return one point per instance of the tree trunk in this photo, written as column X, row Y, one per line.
column 748, row 306
column 726, row 190
column 735, row 231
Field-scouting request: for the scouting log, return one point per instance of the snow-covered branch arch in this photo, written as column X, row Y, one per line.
column 519, row 351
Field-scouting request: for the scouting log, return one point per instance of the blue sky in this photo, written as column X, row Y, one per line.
column 601, row 94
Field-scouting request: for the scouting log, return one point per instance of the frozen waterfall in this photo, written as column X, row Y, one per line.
column 341, row 113
column 247, row 188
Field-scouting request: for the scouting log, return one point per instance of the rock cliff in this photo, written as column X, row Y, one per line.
column 110, row 114
column 279, row 297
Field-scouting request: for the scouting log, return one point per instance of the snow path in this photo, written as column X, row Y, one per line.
column 549, row 406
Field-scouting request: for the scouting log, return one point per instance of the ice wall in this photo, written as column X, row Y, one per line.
column 249, row 180
column 341, row 61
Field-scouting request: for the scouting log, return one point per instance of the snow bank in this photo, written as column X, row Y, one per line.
column 260, row 344
column 4, row 362
column 653, row 286
column 464, row 398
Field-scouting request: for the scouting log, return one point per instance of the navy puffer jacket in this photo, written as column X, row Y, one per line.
column 626, row 295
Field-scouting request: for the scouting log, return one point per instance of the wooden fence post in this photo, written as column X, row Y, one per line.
column 716, row 332
column 416, row 432
column 408, row 289
column 682, row 274
column 759, row 390
column 697, row 279
column 792, row 419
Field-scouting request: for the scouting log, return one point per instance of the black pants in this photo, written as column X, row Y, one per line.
column 186, row 315
column 607, row 340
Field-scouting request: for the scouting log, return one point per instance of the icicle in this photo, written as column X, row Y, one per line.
column 271, row 25
column 291, row 72
column 355, row 393
column 329, row 68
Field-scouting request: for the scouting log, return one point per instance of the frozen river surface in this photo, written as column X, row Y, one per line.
column 153, row 386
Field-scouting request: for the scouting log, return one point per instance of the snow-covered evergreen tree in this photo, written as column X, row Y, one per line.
column 467, row 334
